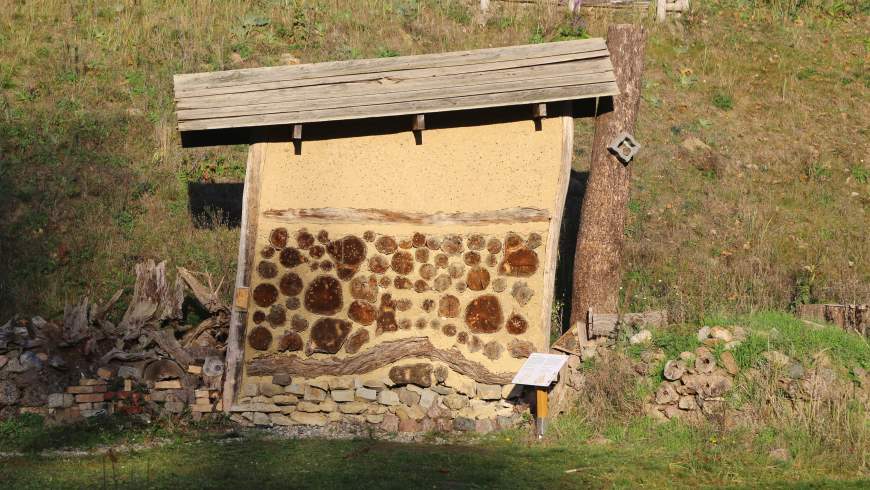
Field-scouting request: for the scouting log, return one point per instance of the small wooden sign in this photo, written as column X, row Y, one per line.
column 540, row 369
column 241, row 299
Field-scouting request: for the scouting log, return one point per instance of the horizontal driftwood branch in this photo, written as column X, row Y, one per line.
column 350, row 215
column 378, row 356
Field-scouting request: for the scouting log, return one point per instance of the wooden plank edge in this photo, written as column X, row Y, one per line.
column 334, row 88
column 238, row 317
column 605, row 89
column 591, row 57
column 552, row 250
column 525, row 51
column 394, row 95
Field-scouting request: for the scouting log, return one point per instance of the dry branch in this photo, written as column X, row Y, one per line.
column 381, row 355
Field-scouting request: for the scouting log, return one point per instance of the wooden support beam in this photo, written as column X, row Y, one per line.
column 539, row 111
column 598, row 256
column 417, row 127
column 248, row 234
column 296, row 136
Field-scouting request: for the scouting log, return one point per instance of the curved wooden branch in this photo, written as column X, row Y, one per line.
column 378, row 356
column 348, row 215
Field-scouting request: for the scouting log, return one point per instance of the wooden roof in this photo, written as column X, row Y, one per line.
column 357, row 89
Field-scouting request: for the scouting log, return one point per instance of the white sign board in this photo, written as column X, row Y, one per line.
column 540, row 369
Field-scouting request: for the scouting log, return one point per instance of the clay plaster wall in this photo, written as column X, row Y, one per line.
column 465, row 169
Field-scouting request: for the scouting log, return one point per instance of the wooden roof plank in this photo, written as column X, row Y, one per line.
column 394, row 85
column 192, row 95
column 501, row 99
column 186, row 82
column 313, row 106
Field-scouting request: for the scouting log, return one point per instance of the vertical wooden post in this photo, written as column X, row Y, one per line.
column 555, row 229
column 598, row 257
column 661, row 10
column 247, row 239
column 542, row 409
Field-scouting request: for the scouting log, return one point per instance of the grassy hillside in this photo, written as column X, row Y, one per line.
column 93, row 179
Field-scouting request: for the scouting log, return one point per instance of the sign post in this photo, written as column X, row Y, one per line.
column 540, row 370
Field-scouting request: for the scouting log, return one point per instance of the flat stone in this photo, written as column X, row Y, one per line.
column 427, row 398
column 374, row 384
column 306, row 418
column 280, row 419
column 262, row 419
column 408, row 425
column 295, row 389
column 703, row 334
column 343, row 395
column 483, row 426
column 366, row 394
column 269, row 389
column 249, row 389
column 374, row 418
column 282, row 379
column 342, row 383
column 314, row 394
column 687, row 402
column 729, row 363
column 321, row 383
column 443, row 390
column 353, row 407
column 390, row 423
column 455, row 402
column 328, row 406
column 408, row 397
column 308, row 407
column 413, row 412
column 285, row 399
column 414, row 388
column 387, row 397
column 8, row 393
column 488, row 392
column 464, row 424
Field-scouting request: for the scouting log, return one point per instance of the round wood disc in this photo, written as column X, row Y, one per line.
column 402, row 263
column 516, row 324
column 477, row 279
column 323, row 296
column 304, row 240
column 265, row 294
column 290, row 258
column 266, row 269
column 483, row 314
column 290, row 284
column 278, row 237
column 362, row 312
column 260, row 338
column 448, row 306
column 386, row 245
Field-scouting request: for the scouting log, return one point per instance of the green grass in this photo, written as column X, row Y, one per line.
column 641, row 453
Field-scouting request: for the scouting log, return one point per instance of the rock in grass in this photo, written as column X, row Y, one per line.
column 703, row 334
column 674, row 370
column 780, row 454
column 729, row 363
column 642, row 337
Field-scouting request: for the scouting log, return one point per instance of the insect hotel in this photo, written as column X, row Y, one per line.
column 399, row 229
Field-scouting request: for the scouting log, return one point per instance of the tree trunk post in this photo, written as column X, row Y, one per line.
column 598, row 254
